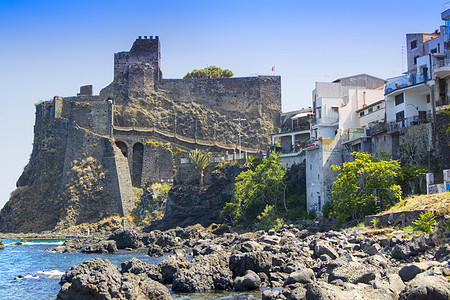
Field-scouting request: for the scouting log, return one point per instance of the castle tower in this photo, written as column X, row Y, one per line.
column 146, row 50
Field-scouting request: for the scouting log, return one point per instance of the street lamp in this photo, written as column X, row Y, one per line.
column 239, row 133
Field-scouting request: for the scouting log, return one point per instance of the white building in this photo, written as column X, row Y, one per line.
column 293, row 135
column 341, row 109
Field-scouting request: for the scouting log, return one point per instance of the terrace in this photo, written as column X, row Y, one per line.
column 400, row 82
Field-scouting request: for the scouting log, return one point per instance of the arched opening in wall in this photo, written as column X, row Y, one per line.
column 123, row 147
column 138, row 159
column 51, row 111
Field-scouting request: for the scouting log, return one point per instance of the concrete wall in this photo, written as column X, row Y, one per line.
column 382, row 142
column 319, row 177
column 357, row 99
column 314, row 184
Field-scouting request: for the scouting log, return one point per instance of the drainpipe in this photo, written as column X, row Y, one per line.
column 433, row 115
column 433, row 105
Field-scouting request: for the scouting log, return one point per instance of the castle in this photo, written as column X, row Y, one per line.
column 89, row 151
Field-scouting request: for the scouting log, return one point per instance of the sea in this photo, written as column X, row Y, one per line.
column 28, row 271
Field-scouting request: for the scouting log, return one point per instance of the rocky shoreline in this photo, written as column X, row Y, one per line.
column 296, row 262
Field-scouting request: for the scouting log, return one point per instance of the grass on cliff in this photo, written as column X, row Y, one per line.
column 439, row 203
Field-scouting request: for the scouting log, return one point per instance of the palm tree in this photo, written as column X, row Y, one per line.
column 201, row 160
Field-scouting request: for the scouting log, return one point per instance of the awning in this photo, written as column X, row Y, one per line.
column 301, row 115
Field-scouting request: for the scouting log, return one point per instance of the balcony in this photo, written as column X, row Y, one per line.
column 442, row 68
column 290, row 129
column 326, row 121
column 376, row 129
column 397, row 125
column 353, row 134
column 404, row 81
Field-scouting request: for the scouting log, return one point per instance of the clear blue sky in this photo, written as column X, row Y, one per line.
column 50, row 48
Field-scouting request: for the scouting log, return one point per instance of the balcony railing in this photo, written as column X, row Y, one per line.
column 299, row 127
column 404, row 81
column 376, row 128
column 325, row 120
column 300, row 145
column 353, row 133
column 441, row 63
column 396, row 125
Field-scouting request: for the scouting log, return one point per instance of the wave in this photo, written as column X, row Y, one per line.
column 47, row 274
column 51, row 273
column 35, row 243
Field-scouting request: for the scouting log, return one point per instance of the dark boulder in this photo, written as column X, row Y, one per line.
column 126, row 239
column 100, row 247
column 135, row 266
column 353, row 272
column 172, row 265
column 408, row 272
column 427, row 287
column 99, row 279
column 206, row 273
column 250, row 281
column 302, row 276
column 259, row 261
column 155, row 251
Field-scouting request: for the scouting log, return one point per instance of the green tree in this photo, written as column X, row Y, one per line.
column 201, row 161
column 256, row 191
column 210, row 72
column 365, row 186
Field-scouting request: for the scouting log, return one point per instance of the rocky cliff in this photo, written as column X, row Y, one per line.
column 89, row 151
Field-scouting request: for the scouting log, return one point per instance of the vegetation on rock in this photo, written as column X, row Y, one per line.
column 364, row 186
column 259, row 195
column 150, row 203
column 201, row 161
column 425, row 222
column 210, row 72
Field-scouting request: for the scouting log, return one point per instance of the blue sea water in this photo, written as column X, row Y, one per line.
column 42, row 270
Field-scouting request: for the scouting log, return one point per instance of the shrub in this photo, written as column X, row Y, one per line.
column 255, row 189
column 425, row 222
column 376, row 223
column 268, row 219
column 364, row 186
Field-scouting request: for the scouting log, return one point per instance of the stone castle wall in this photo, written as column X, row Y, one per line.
column 78, row 169
column 254, row 96
column 145, row 50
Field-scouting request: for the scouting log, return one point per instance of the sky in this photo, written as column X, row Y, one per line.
column 50, row 48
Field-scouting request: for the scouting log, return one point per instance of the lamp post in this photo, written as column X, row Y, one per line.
column 239, row 133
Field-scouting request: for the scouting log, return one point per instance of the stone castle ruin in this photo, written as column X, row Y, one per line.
column 89, row 151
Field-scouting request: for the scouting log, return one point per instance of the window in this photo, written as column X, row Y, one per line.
column 422, row 115
column 335, row 109
column 400, row 116
column 415, row 59
column 361, row 114
column 319, row 112
column 433, row 50
column 413, row 44
column 378, row 107
column 370, row 110
column 428, row 99
column 399, row 99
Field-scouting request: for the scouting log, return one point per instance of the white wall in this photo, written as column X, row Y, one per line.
column 416, row 100
column 314, row 170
